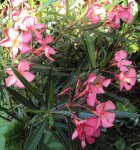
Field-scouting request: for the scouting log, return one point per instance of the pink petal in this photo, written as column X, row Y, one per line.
column 90, row 140
column 26, row 37
column 91, row 78
column 121, row 54
column 132, row 73
column 49, row 51
column 49, row 39
column 17, row 2
column 93, row 121
column 100, row 108
column 121, row 85
column 83, row 143
column 23, row 66
column 105, row 123
column 97, row 132
column 110, row 117
column 19, row 84
column 24, row 48
column 29, row 76
column 132, row 81
column 106, row 82
column 91, row 99
column 9, row 71
column 6, row 42
column 13, row 34
column 40, row 26
column 74, row 135
column 127, row 87
column 109, row 105
column 123, row 68
column 10, row 80
column 13, row 52
column 100, row 90
column 126, row 62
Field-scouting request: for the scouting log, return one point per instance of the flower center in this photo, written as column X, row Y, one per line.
column 125, row 79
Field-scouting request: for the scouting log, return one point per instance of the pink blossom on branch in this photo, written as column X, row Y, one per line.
column 106, row 117
column 127, row 79
column 23, row 69
column 87, row 130
column 120, row 59
column 48, row 51
column 93, row 89
column 121, row 13
column 96, row 13
column 16, row 41
column 15, row 3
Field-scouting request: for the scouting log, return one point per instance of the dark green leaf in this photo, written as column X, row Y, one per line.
column 90, row 47
column 18, row 97
column 32, row 142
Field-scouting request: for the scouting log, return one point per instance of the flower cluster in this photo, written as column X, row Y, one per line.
column 90, row 128
column 86, row 96
column 96, row 13
column 26, row 35
column 127, row 75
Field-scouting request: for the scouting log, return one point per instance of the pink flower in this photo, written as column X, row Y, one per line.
column 47, row 49
column 97, row 88
column 16, row 41
column 23, row 69
column 15, row 3
column 121, row 13
column 107, row 118
column 30, row 24
column 96, row 13
column 18, row 17
column 87, row 130
column 120, row 58
column 127, row 79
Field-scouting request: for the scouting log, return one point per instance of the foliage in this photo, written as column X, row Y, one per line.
column 42, row 115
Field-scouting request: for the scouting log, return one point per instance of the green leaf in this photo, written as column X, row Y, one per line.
column 32, row 142
column 137, row 28
column 52, row 142
column 125, row 114
column 51, row 121
column 49, row 97
column 117, row 98
column 29, row 87
column 120, row 144
column 125, row 2
column 2, row 142
column 90, row 47
column 21, row 99
column 48, row 3
column 73, row 145
column 119, row 114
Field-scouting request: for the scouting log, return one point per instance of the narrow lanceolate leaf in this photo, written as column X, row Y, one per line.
column 29, row 87
column 119, row 114
column 90, row 47
column 33, row 140
column 73, row 146
column 10, row 114
column 21, row 99
column 125, row 114
column 49, row 97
